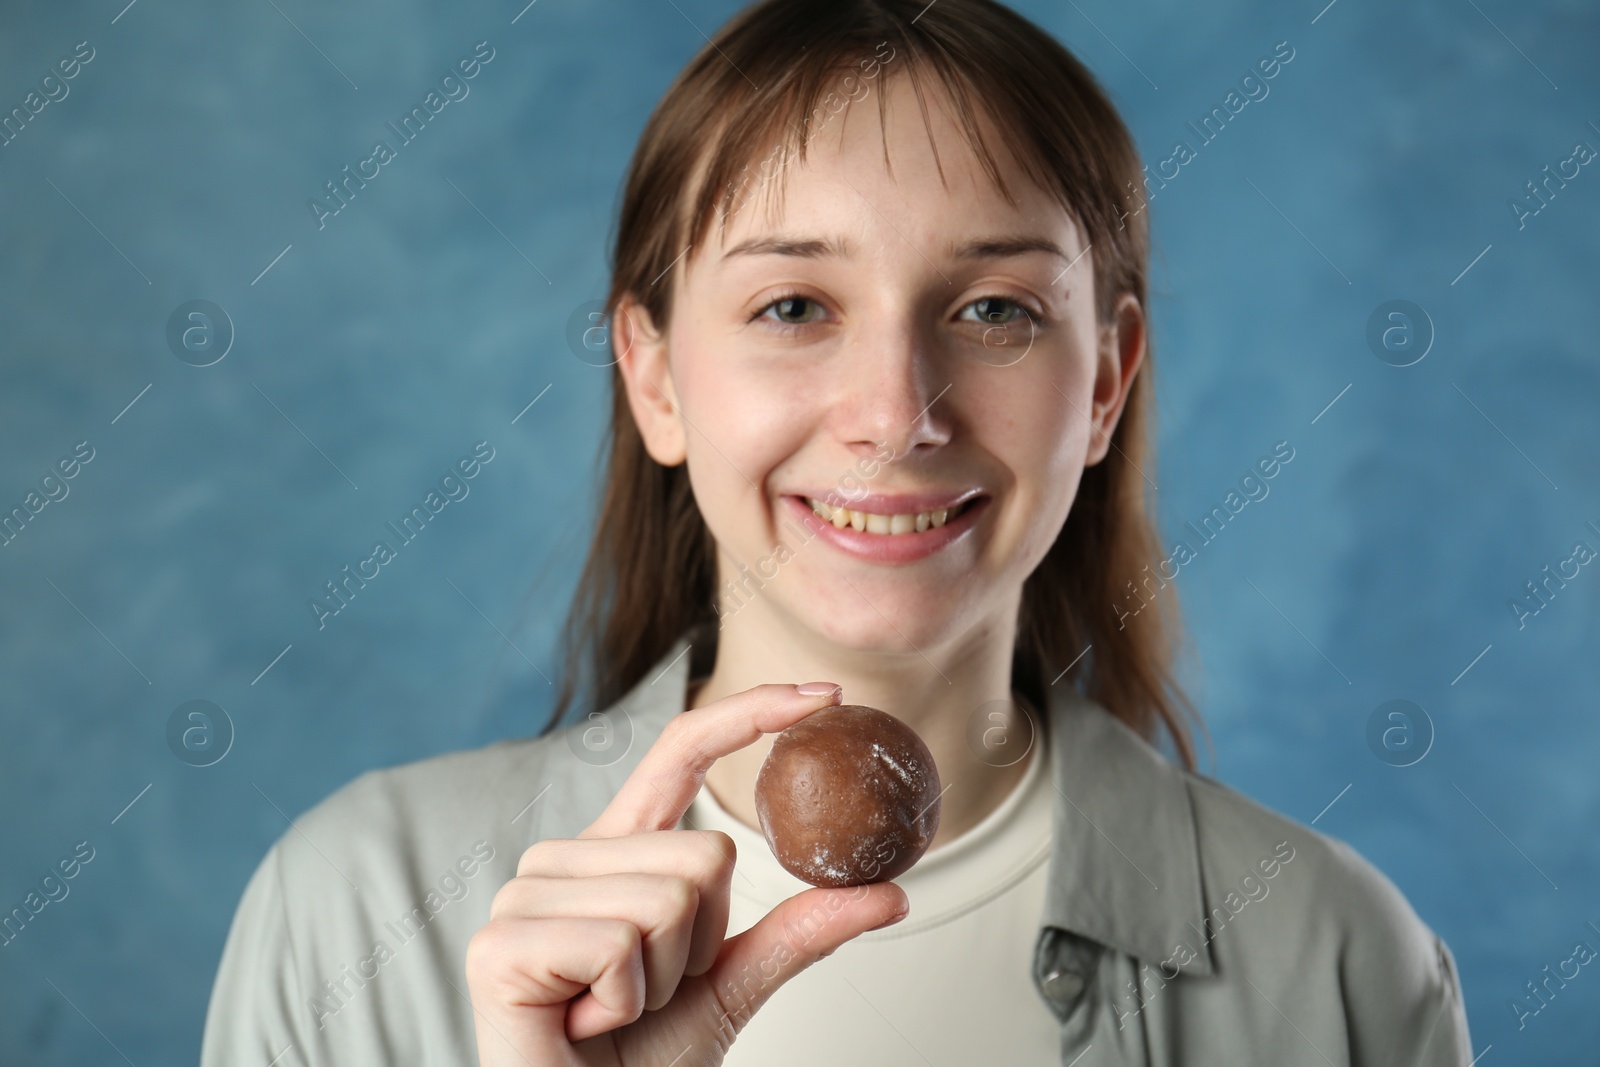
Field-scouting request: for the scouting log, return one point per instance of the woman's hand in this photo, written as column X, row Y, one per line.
column 609, row 948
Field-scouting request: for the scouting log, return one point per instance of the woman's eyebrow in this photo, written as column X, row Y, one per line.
column 997, row 247
column 804, row 247
column 1005, row 247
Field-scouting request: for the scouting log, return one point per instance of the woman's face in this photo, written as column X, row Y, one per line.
column 893, row 346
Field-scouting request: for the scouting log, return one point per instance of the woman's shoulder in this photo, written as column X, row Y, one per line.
column 391, row 829
column 1237, row 832
column 1340, row 889
column 402, row 862
column 425, row 791
column 1289, row 894
column 399, row 861
column 509, row 793
column 502, row 792
column 1243, row 851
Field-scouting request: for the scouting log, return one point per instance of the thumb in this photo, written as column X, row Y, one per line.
column 793, row 936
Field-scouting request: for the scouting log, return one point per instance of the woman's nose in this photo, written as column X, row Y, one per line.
column 898, row 394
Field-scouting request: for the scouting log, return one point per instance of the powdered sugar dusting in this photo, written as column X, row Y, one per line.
column 884, row 756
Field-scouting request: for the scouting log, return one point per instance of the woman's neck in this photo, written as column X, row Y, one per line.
column 940, row 692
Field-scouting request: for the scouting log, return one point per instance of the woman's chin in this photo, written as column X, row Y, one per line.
column 887, row 628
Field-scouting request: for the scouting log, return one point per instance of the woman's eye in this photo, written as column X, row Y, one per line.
column 796, row 310
column 787, row 306
column 997, row 310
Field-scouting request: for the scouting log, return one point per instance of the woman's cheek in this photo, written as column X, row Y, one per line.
column 1042, row 447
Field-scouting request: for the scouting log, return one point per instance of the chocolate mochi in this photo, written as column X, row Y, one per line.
column 847, row 796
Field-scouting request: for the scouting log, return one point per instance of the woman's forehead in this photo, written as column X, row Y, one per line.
column 834, row 208
column 905, row 147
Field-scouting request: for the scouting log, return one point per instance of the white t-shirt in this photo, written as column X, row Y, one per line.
column 939, row 985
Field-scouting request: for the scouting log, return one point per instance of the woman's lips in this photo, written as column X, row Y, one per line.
column 888, row 548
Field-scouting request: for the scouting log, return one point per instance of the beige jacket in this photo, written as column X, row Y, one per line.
column 1184, row 924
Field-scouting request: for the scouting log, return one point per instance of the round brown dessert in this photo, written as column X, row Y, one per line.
column 847, row 796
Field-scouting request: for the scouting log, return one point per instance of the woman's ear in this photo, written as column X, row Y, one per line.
column 641, row 353
column 1120, row 355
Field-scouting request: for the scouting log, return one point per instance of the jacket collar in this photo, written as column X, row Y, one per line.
column 1125, row 867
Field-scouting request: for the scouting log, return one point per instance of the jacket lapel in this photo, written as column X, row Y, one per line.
column 1125, row 866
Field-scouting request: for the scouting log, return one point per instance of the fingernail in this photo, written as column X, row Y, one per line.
column 818, row 689
column 893, row 920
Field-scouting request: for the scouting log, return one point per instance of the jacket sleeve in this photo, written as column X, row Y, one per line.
column 256, row 1014
column 1451, row 1043
column 1402, row 995
column 1425, row 1025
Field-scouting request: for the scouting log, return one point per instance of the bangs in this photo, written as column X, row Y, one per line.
column 748, row 108
column 750, row 152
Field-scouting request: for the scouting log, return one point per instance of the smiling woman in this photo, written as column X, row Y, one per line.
column 923, row 346
column 1017, row 238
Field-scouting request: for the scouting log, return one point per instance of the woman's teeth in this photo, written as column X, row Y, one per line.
column 880, row 524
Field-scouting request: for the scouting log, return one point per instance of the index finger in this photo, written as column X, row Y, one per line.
column 662, row 786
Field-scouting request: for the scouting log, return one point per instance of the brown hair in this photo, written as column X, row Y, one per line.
column 650, row 573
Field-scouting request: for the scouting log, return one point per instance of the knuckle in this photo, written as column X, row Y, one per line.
column 682, row 739
column 511, row 898
column 501, row 901
column 721, row 843
column 671, row 734
column 680, row 897
column 716, row 860
column 622, row 941
column 543, row 855
column 486, row 948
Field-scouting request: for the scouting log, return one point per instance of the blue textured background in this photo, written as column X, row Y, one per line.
column 410, row 328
